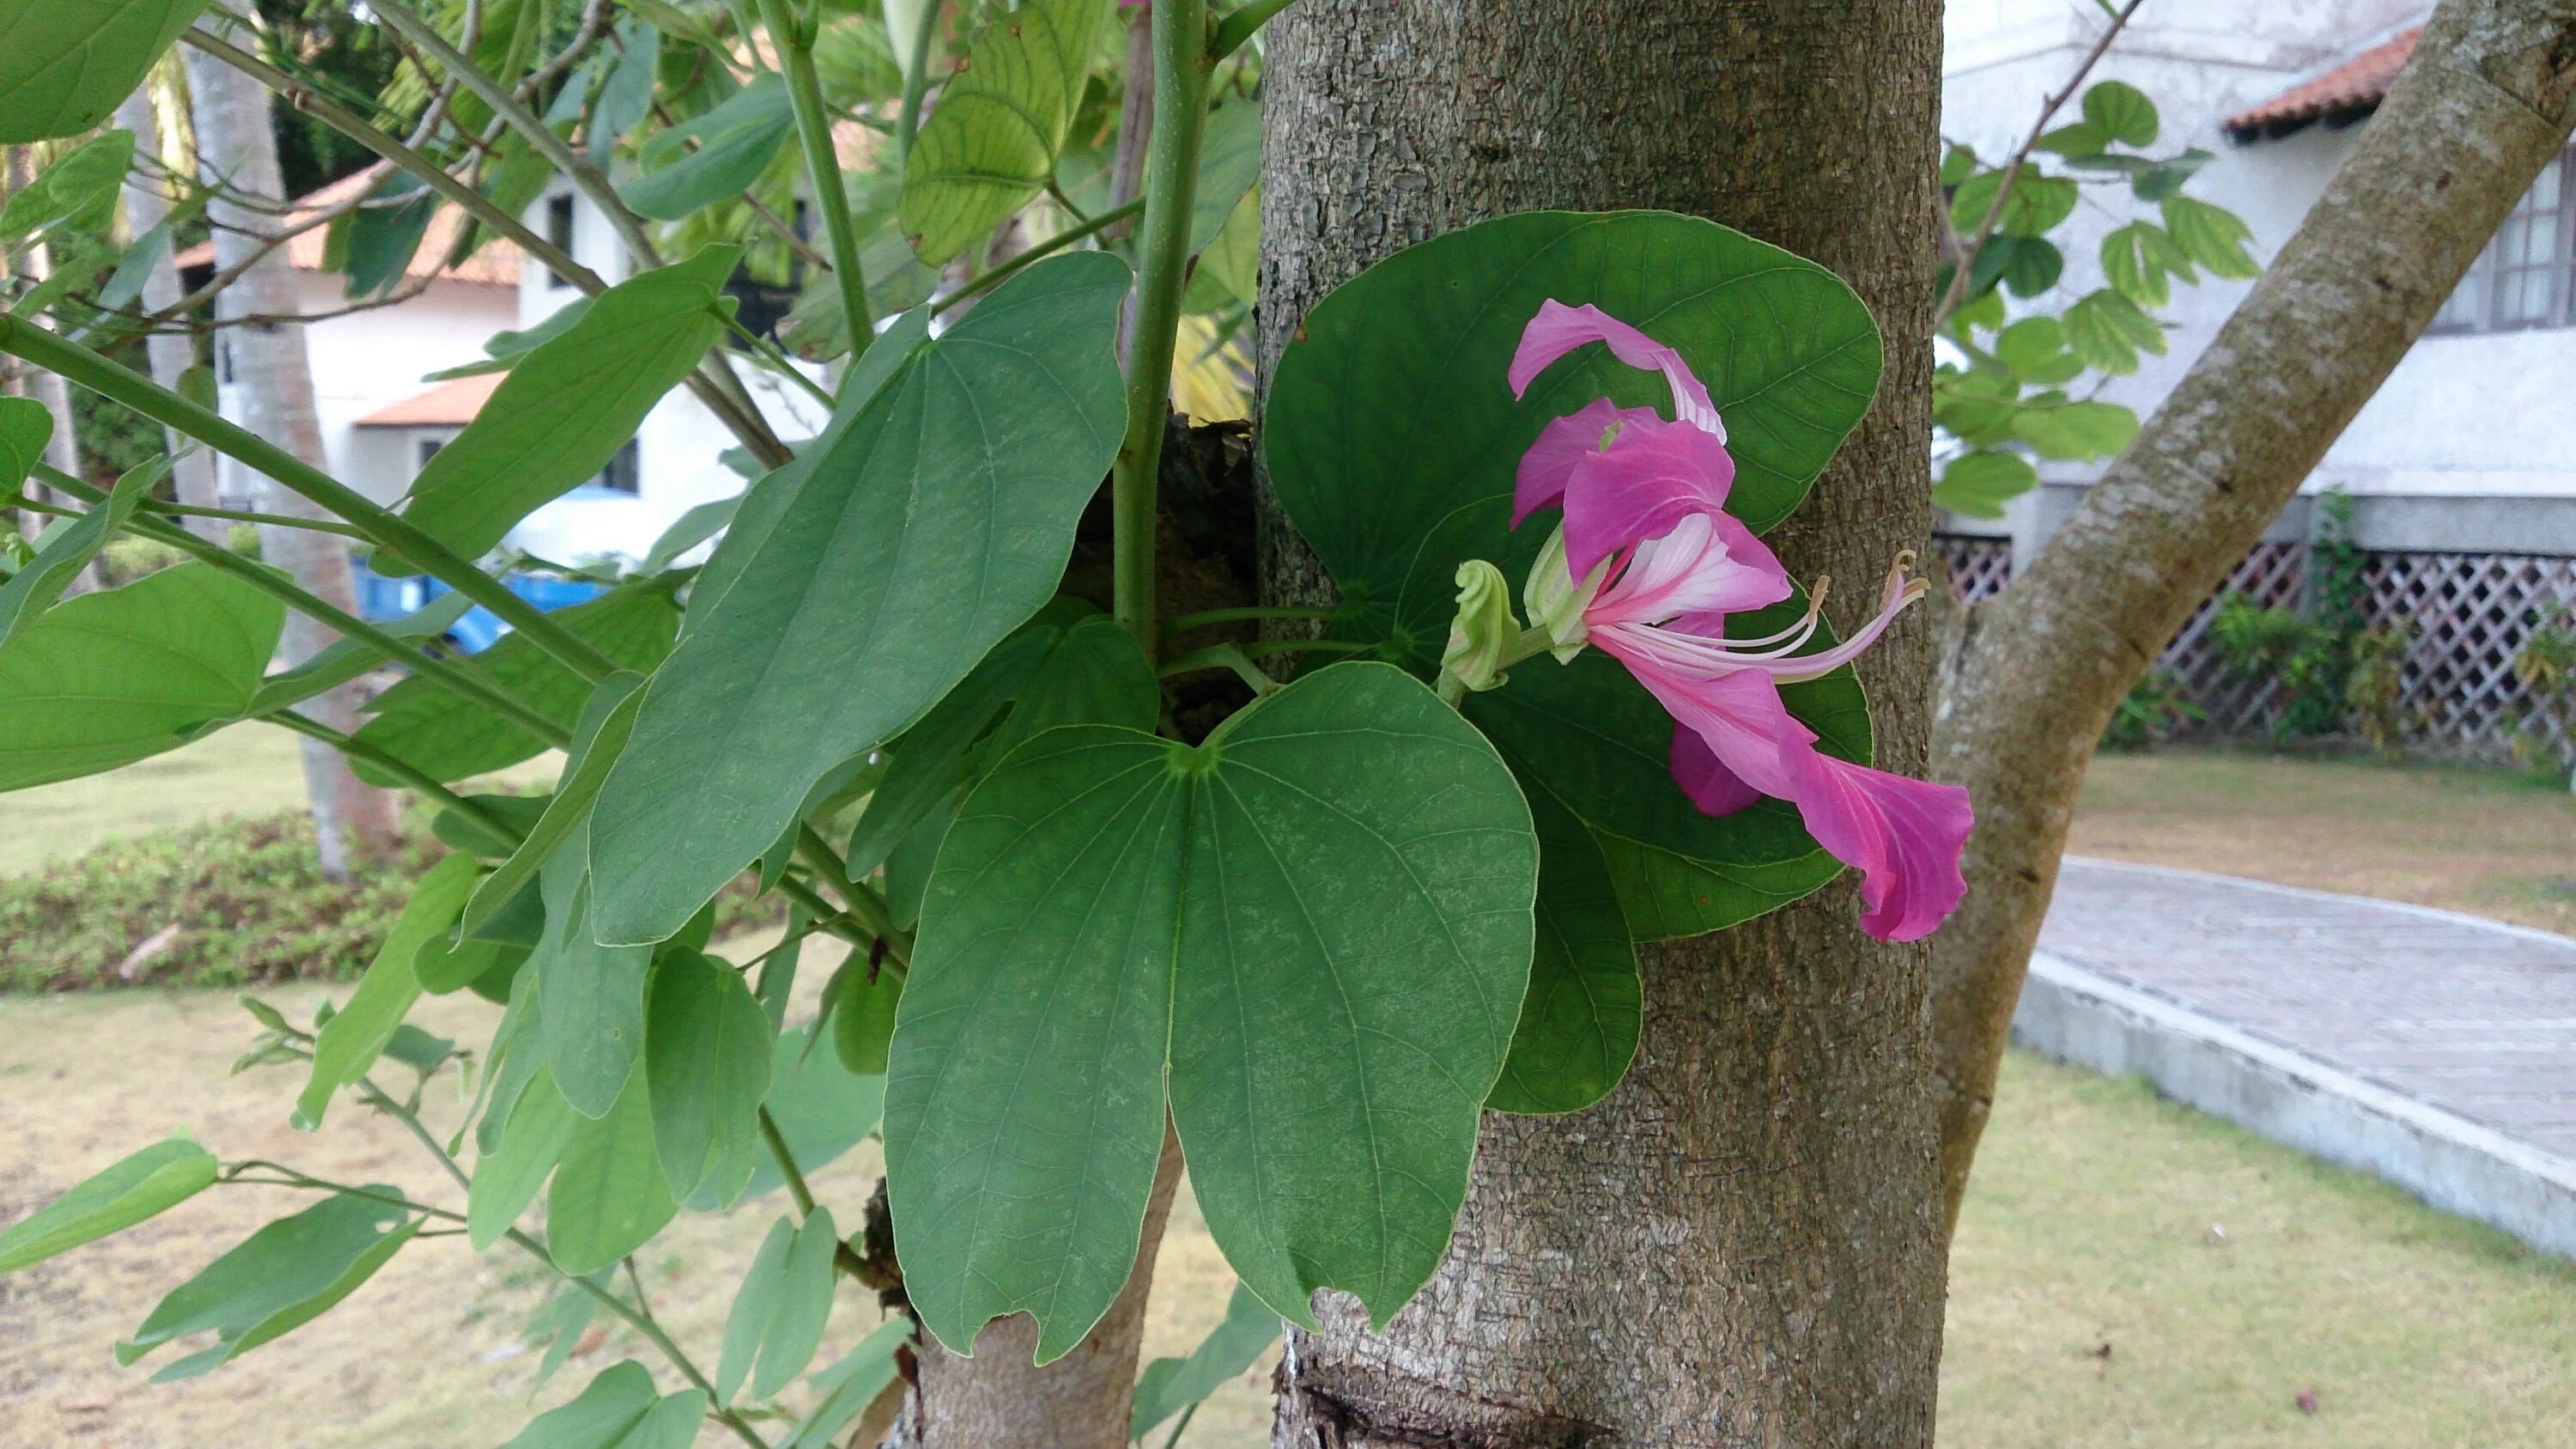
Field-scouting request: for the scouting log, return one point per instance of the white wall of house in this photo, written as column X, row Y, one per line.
column 2465, row 416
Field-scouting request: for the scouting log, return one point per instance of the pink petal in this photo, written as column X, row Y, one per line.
column 1686, row 571
column 1559, row 329
column 1904, row 835
column 1715, row 789
column 1739, row 715
column 1563, row 443
column 1653, row 475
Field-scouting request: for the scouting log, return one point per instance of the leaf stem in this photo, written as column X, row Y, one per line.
column 993, row 276
column 822, row 167
column 916, row 86
column 1181, row 69
column 1212, row 617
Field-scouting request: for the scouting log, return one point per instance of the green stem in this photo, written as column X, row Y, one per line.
column 293, row 1177
column 653, row 1335
column 75, row 363
column 1178, row 1429
column 244, row 515
column 865, row 906
column 1213, row 617
column 916, row 85
column 1181, row 69
column 426, row 784
column 1238, row 28
column 776, row 1142
column 822, row 168
column 1221, row 656
column 1056, row 243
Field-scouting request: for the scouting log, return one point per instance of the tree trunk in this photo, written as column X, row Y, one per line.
column 996, row 1400
column 272, row 394
column 169, row 350
column 62, row 449
column 2040, row 669
column 1742, row 1244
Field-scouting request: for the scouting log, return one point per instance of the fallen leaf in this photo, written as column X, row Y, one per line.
column 2307, row 1401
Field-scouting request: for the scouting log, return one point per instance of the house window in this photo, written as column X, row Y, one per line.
column 625, row 470
column 2527, row 276
column 559, row 226
column 424, row 449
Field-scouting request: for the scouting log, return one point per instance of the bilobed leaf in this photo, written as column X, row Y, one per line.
column 689, row 530
column 350, row 1042
column 64, row 64
column 2108, row 331
column 1979, row 484
column 2026, row 265
column 706, row 1066
column 1170, row 1385
column 597, row 738
column 77, row 189
column 991, row 144
column 277, row 1279
column 345, row 659
column 2122, row 111
column 737, row 140
column 377, row 242
column 802, row 1308
column 922, row 531
column 569, row 405
column 2035, row 349
column 2076, row 430
column 140, row 1186
column 113, row 677
column 33, row 589
column 1318, row 922
column 754, row 1304
column 609, row 1197
column 1579, row 1021
column 2213, row 237
column 26, row 425
column 450, row 737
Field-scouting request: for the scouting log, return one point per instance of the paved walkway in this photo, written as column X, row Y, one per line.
column 2350, row 1027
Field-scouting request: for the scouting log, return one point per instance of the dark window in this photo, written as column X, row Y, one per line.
column 2523, row 278
column 625, row 470
column 424, row 449
column 559, row 219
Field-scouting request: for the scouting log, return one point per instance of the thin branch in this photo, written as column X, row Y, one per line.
column 822, row 168
column 1056, row 243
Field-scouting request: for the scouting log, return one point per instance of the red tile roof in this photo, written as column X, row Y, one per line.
column 495, row 263
column 451, row 404
column 2350, row 90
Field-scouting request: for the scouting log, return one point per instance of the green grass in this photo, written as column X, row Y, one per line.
column 2130, row 1272
column 246, row 770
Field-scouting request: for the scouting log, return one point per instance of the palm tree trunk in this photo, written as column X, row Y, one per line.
column 169, row 351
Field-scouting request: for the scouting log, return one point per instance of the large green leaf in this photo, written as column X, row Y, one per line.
column 590, row 997
column 924, row 530
column 609, row 1197
column 113, row 677
column 1579, row 1020
column 149, row 1182
column 278, row 1279
column 64, row 64
column 1169, row 1385
column 1318, row 923
column 352, row 1039
column 33, row 589
column 991, row 144
column 706, row 1067
column 568, row 406
column 736, row 142
column 508, row 1178
column 596, row 739
column 450, row 737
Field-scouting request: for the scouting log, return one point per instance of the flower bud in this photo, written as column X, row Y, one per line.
column 1556, row 602
column 1484, row 632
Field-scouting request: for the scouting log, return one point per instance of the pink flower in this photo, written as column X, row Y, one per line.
column 1648, row 565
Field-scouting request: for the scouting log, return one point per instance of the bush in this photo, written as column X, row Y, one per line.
column 222, row 903
column 2157, row 708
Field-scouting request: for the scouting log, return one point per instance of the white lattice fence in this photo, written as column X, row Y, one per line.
column 2273, row 574
column 1979, row 567
column 2472, row 613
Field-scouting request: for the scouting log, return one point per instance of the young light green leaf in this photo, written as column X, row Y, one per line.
column 1979, row 484
column 934, row 759
column 916, row 537
column 1170, row 1385
column 278, row 1279
column 349, row 1044
column 508, row 1179
column 2122, row 112
column 597, row 738
column 2076, row 430
column 609, row 1197
column 140, row 1186
column 1580, row 1018
column 2212, row 236
column 32, row 590
column 64, row 64
column 736, row 142
column 113, row 677
column 1229, row 162
column 449, row 737
column 863, row 1020
column 569, row 405
column 2108, row 331
column 706, row 1065
column 1001, row 121
column 688, row 531
column 78, row 189
column 1318, row 922
column 26, row 425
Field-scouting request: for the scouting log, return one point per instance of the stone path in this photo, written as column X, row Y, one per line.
column 2392, row 1037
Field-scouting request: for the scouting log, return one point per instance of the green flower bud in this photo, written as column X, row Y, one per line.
column 1481, row 638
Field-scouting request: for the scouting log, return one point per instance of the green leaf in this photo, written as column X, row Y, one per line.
column 754, row 1304
column 627, row 97
column 2077, row 430
column 609, row 1196
column 799, row 1303
column 376, row 243
column 2034, row 348
column 863, row 1020
column 737, row 141
column 606, row 1411
column 706, row 1067
column 350, row 1042
column 601, row 733
column 67, row 550
column 2078, row 141
column 1318, row 922
column 928, row 526
column 2108, row 331
column 276, row 1280
column 590, row 997
column 1229, row 163
column 1978, row 485
column 2122, row 112
column 64, row 64
column 568, row 406
column 77, row 190
column 820, row 1107
column 449, row 737
column 143, row 1185
column 689, row 530
column 345, row 659
column 1170, row 1385
column 1579, row 1020
column 989, row 147
column 113, row 677
column 2165, row 178
column 2212, row 236
column 850, row 1385
column 2026, row 265
column 2137, row 260
column 1228, row 271
column 508, row 1178
column 2035, row 207
column 26, row 425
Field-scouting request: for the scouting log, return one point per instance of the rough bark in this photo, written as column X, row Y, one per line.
column 169, row 351
column 273, row 392
column 2039, row 670
column 995, row 1400
column 1742, row 1244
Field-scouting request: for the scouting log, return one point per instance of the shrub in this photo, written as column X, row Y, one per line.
column 2156, row 708
column 221, row 903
